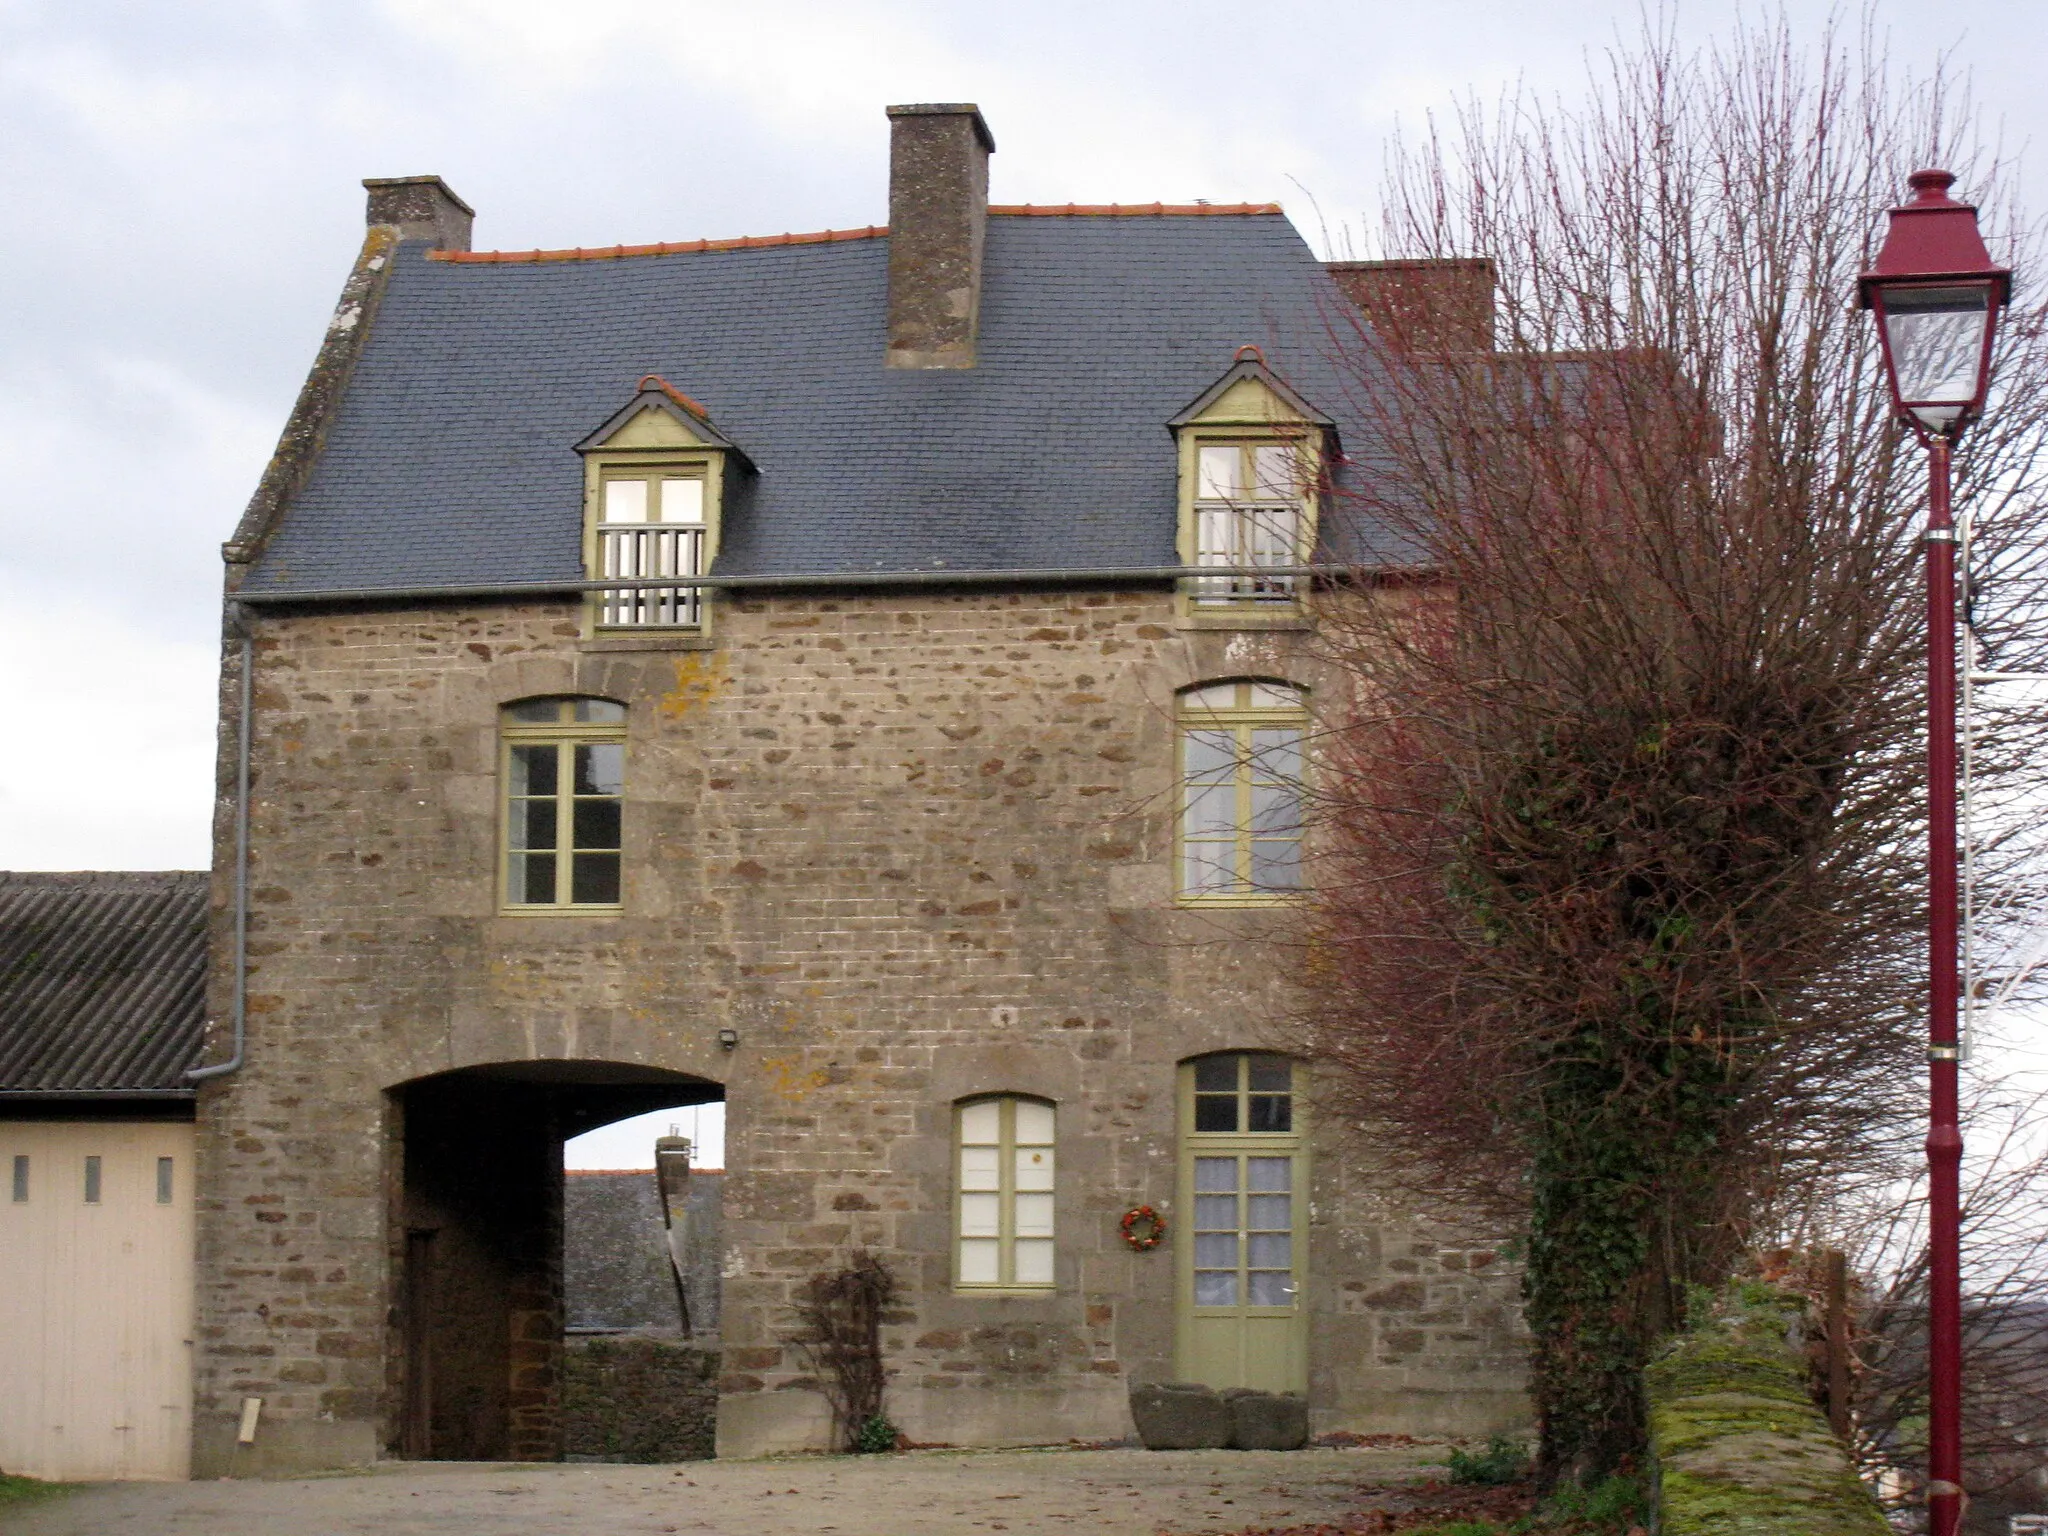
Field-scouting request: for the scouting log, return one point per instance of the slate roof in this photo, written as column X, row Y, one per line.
column 450, row 458
column 102, row 981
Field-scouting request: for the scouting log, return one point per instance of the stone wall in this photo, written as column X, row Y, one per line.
column 1737, row 1442
column 639, row 1399
column 906, row 848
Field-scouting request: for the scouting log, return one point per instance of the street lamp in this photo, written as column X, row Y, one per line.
column 1937, row 297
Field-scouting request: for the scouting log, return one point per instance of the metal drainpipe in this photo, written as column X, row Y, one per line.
column 242, row 736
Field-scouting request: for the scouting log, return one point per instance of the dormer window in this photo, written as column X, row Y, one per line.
column 1252, row 453
column 655, row 476
column 651, row 523
column 1249, row 512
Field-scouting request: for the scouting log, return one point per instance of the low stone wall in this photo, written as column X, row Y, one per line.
column 1738, row 1444
column 633, row 1398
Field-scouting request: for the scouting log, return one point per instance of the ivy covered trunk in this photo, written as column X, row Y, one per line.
column 1621, row 1226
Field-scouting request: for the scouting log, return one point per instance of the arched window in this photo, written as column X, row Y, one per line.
column 563, row 768
column 1239, row 838
column 1003, row 1218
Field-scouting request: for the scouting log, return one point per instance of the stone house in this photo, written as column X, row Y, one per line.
column 861, row 677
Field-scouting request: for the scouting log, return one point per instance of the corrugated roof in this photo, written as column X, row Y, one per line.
column 102, row 980
column 450, row 458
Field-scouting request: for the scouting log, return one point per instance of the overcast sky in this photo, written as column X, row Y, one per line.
column 179, row 190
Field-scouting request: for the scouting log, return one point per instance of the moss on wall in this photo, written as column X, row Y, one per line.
column 1740, row 1448
column 639, row 1399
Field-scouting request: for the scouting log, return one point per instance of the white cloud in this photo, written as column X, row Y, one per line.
column 111, row 763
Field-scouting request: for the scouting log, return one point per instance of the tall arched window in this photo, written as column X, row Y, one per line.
column 562, row 768
column 1003, row 1219
column 1239, row 838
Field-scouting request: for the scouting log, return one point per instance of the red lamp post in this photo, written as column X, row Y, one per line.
column 1937, row 297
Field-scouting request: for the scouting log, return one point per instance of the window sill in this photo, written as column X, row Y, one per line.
column 1214, row 903
column 618, row 911
column 1040, row 1291
column 653, row 640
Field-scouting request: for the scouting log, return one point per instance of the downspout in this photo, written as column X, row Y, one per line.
column 240, row 1005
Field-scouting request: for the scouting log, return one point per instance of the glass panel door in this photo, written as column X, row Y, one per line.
column 1241, row 1319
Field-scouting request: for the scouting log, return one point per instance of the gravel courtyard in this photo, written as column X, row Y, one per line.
column 919, row 1493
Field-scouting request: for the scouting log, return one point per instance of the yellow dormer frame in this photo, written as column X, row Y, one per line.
column 1248, row 410
column 663, row 442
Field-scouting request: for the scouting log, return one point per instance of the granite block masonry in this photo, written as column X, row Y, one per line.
column 909, row 850
column 879, row 837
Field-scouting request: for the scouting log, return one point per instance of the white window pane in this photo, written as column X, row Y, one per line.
column 1215, row 537
column 1270, row 536
column 1272, row 1288
column 1218, row 1213
column 1274, row 471
column 981, row 1215
column 1218, row 473
column 1212, row 810
column 1272, row 1173
column 1034, row 1262
column 1215, row 1288
column 1033, row 1168
column 1218, row 1174
column 982, row 1123
column 625, row 501
column 1276, row 754
column 1208, row 755
column 1034, row 1124
column 1275, row 696
column 1272, row 1213
column 1216, row 1250
column 1271, row 1250
column 980, row 1263
column 981, row 1168
column 1276, row 865
column 1215, row 696
column 682, row 501
column 1207, row 868
column 1276, row 811
column 1034, row 1215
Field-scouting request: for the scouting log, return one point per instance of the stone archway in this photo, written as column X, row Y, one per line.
column 477, row 1247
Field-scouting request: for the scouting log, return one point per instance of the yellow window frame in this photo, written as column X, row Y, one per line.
column 1009, row 1150
column 565, row 733
column 1192, row 603
column 1240, row 720
column 602, row 467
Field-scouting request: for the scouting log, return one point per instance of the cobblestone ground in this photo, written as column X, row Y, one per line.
column 923, row 1493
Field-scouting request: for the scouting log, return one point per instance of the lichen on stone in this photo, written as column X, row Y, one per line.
column 1740, row 1449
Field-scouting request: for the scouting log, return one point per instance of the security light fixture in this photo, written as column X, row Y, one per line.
column 728, row 1039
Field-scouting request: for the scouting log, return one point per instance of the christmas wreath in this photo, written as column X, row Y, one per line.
column 1143, row 1228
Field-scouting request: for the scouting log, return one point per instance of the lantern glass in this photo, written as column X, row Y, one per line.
column 1936, row 339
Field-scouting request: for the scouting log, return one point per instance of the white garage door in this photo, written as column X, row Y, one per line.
column 95, row 1299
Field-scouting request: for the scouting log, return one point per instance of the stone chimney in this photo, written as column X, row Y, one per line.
column 1431, row 306
column 422, row 208
column 938, row 217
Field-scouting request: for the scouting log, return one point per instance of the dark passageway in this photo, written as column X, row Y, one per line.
column 477, row 1237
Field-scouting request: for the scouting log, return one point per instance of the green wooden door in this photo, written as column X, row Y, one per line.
column 1239, row 1319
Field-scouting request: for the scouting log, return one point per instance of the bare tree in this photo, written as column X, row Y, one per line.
column 1619, row 923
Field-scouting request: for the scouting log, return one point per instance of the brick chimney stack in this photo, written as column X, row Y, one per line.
column 1432, row 305
column 938, row 218
column 422, row 208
